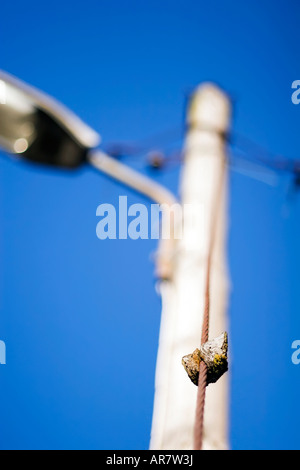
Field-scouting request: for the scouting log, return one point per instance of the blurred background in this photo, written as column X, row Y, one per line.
column 80, row 317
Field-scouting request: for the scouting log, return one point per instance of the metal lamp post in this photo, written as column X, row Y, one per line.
column 37, row 128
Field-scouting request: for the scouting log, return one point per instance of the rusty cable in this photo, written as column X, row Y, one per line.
column 202, row 381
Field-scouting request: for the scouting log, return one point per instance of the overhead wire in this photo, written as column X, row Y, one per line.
column 162, row 151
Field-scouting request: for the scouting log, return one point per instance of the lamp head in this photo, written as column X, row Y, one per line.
column 38, row 128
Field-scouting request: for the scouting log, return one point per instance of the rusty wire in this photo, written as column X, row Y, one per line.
column 202, row 381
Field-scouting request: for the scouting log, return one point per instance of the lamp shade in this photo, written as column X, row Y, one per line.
column 38, row 128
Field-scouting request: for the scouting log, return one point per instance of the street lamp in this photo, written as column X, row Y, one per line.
column 37, row 128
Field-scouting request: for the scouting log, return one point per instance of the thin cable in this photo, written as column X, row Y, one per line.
column 248, row 150
column 202, row 381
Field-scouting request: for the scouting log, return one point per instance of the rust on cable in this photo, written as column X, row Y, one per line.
column 203, row 375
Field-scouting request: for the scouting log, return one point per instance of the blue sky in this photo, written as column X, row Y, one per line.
column 80, row 316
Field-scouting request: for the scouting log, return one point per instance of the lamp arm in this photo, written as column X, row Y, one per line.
column 149, row 188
